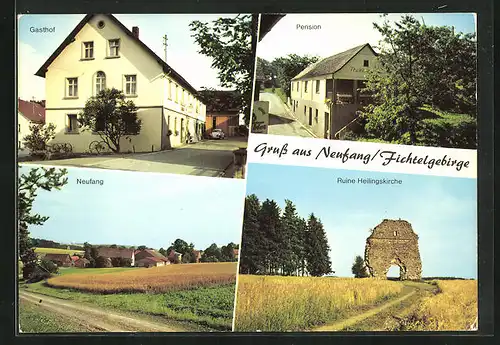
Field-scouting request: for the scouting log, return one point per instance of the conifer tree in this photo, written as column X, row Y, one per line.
column 302, row 232
column 359, row 268
column 269, row 227
column 318, row 259
column 289, row 239
column 250, row 234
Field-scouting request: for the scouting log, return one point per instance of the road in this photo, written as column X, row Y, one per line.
column 206, row 158
column 281, row 121
column 95, row 319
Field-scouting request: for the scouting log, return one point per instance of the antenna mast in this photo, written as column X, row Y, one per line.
column 165, row 39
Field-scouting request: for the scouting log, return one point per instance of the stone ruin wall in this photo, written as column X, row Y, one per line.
column 393, row 242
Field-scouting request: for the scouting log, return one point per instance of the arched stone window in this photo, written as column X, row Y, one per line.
column 100, row 82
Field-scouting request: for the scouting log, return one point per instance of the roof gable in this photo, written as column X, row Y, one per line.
column 71, row 37
column 34, row 112
column 331, row 64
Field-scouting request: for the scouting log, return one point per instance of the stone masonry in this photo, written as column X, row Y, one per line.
column 393, row 242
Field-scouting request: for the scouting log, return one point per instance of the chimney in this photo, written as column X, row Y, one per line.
column 135, row 31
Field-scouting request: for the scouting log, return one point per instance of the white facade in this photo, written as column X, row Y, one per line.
column 312, row 98
column 23, row 129
column 105, row 56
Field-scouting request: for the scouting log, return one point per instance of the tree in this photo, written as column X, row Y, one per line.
column 359, row 268
column 228, row 41
column 39, row 137
column 269, row 72
column 250, row 236
column 418, row 65
column 141, row 247
column 318, row 258
column 113, row 246
column 163, row 252
column 48, row 266
column 289, row 66
column 28, row 185
column 227, row 252
column 110, row 116
column 269, row 254
column 289, row 240
column 181, row 246
column 211, row 254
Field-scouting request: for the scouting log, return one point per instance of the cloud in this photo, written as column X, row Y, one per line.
column 28, row 62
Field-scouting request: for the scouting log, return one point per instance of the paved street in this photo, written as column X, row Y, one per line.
column 280, row 121
column 207, row 158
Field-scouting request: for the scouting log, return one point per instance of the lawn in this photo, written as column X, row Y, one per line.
column 206, row 307
column 57, row 251
column 36, row 320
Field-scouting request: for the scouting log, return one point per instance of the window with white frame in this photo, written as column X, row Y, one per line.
column 100, row 82
column 72, row 87
column 169, row 89
column 88, row 50
column 72, row 123
column 197, row 106
column 176, row 93
column 182, row 97
column 317, row 86
column 114, row 47
column 305, row 86
column 130, row 85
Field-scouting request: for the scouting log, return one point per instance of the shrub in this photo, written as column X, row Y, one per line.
column 40, row 135
column 449, row 130
column 49, row 266
column 103, row 262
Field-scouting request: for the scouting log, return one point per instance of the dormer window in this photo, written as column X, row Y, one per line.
column 88, row 50
column 114, row 48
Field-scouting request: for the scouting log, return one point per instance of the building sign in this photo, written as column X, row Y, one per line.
column 260, row 117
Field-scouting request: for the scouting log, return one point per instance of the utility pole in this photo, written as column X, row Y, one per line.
column 165, row 39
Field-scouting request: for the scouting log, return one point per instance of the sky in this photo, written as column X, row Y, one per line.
column 182, row 52
column 340, row 32
column 441, row 210
column 133, row 208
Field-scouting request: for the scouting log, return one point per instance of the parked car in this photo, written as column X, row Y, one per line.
column 217, row 134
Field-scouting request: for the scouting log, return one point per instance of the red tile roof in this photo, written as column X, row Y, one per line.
column 74, row 258
column 151, row 258
column 116, row 252
column 32, row 111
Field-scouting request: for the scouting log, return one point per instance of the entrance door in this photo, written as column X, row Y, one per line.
column 327, row 125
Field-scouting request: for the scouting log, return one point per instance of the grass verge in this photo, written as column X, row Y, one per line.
column 209, row 308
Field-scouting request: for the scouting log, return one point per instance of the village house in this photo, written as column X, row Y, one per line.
column 197, row 255
column 61, row 260
column 326, row 95
column 223, row 113
column 151, row 261
column 175, row 257
column 123, row 253
column 150, row 257
column 81, row 262
column 236, row 253
column 28, row 113
column 102, row 53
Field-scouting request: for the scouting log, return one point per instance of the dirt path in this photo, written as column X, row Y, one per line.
column 93, row 318
column 412, row 291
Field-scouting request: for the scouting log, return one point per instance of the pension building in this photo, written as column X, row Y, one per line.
column 326, row 95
